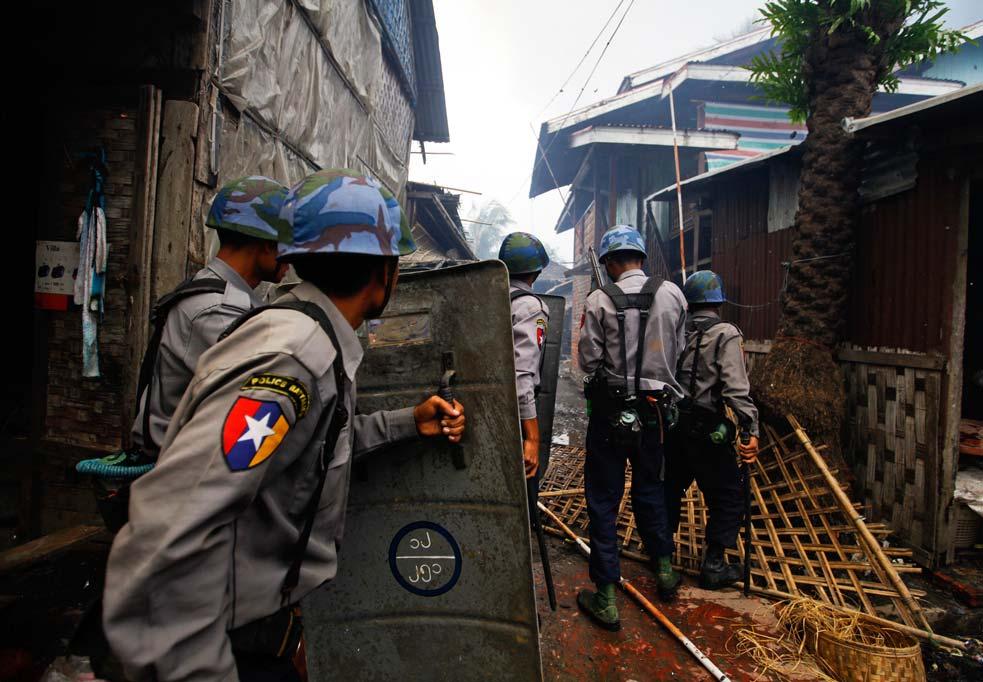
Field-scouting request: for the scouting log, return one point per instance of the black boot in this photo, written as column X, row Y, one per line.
column 716, row 572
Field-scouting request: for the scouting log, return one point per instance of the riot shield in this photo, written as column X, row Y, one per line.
column 546, row 398
column 435, row 573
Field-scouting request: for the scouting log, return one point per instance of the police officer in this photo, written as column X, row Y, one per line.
column 245, row 215
column 630, row 338
column 244, row 513
column 712, row 374
column 525, row 257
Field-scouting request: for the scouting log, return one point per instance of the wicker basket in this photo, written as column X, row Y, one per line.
column 898, row 660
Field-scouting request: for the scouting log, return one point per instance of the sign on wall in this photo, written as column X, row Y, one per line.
column 56, row 267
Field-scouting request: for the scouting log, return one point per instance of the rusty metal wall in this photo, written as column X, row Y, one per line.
column 904, row 257
column 747, row 256
column 905, row 247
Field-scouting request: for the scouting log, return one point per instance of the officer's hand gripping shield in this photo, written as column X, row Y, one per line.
column 435, row 572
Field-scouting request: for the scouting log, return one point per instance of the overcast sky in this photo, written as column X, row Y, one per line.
column 504, row 60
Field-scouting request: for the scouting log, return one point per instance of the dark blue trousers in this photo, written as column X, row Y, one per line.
column 604, row 486
column 716, row 472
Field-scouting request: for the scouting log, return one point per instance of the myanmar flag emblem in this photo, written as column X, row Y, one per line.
column 253, row 430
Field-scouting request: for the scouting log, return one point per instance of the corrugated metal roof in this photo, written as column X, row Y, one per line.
column 693, row 183
column 912, row 111
column 431, row 106
column 666, row 68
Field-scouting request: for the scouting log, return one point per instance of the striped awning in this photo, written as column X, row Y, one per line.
column 762, row 129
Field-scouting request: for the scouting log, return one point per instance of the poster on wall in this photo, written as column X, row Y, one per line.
column 56, row 267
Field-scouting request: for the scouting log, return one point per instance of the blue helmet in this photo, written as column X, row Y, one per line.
column 523, row 254
column 621, row 238
column 251, row 206
column 343, row 211
column 704, row 286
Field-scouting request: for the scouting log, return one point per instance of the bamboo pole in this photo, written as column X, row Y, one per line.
column 872, row 544
column 648, row 606
column 679, row 190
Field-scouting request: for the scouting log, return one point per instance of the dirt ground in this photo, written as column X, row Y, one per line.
column 573, row 648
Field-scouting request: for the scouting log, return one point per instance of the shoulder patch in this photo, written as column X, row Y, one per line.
column 540, row 331
column 252, row 431
column 288, row 386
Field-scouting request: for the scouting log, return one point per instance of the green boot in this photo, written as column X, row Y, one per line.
column 601, row 606
column 666, row 578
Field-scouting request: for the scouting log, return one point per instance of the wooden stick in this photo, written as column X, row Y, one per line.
column 561, row 493
column 873, row 545
column 648, row 606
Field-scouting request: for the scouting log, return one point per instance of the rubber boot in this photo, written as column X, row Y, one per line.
column 666, row 578
column 716, row 572
column 601, row 606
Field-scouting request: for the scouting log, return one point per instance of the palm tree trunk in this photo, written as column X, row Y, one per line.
column 800, row 374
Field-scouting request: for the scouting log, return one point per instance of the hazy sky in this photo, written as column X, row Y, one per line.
column 503, row 60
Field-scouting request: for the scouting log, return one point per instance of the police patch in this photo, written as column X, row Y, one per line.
column 287, row 386
column 252, row 431
column 540, row 331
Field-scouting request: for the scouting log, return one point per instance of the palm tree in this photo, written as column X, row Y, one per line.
column 834, row 54
column 488, row 228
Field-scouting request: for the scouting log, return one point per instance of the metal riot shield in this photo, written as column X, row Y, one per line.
column 435, row 573
column 546, row 398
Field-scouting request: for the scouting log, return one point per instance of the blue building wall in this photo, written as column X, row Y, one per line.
column 965, row 65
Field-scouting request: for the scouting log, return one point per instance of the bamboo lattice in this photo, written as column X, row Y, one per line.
column 804, row 542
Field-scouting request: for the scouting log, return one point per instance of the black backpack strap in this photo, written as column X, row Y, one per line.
column 158, row 319
column 702, row 327
column 641, row 301
column 336, row 419
column 647, row 299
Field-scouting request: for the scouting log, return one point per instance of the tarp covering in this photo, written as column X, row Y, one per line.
column 276, row 69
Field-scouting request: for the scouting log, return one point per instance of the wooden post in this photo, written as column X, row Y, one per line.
column 679, row 189
column 951, row 413
column 138, row 281
column 613, row 191
column 172, row 228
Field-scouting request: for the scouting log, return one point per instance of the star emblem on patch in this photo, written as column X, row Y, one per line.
column 252, row 431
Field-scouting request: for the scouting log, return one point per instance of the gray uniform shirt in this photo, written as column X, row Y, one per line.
column 720, row 372
column 530, row 319
column 208, row 541
column 600, row 342
column 192, row 327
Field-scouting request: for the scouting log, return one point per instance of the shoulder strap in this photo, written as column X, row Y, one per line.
column 158, row 318
column 702, row 327
column 336, row 420
column 519, row 293
column 641, row 301
column 187, row 289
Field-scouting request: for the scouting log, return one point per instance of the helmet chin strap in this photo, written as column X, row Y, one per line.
column 390, row 285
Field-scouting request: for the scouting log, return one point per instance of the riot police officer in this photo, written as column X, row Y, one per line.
column 712, row 374
column 245, row 213
column 244, row 512
column 630, row 339
column 525, row 257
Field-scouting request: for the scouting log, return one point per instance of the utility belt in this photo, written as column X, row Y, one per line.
column 699, row 423
column 630, row 414
column 278, row 635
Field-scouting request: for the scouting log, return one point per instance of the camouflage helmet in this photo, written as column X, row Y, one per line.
column 344, row 211
column 621, row 238
column 251, row 206
column 704, row 286
column 523, row 254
